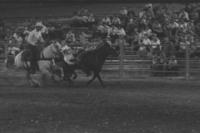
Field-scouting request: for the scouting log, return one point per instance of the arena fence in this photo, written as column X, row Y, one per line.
column 130, row 65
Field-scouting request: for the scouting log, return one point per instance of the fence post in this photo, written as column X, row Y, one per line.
column 187, row 55
column 121, row 65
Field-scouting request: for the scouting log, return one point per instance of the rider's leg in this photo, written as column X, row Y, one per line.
column 34, row 58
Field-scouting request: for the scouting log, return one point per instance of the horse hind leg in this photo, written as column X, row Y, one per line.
column 29, row 79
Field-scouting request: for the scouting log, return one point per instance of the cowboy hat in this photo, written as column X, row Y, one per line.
column 39, row 24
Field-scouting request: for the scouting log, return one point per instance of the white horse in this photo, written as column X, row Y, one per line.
column 46, row 64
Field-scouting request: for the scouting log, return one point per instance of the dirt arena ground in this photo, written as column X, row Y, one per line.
column 124, row 106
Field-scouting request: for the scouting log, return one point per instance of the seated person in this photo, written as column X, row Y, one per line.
column 18, row 39
column 91, row 18
column 106, row 20
column 172, row 62
column 123, row 11
column 155, row 44
column 173, row 65
column 116, row 21
column 70, row 37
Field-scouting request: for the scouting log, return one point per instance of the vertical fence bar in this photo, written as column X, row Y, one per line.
column 121, row 65
column 6, row 54
column 187, row 63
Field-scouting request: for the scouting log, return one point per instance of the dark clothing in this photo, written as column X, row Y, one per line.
column 35, row 56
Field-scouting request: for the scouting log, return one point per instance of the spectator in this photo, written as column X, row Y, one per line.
column 106, row 20
column 121, row 32
column 116, row 21
column 70, row 37
column 124, row 11
column 145, row 43
column 184, row 15
column 18, row 39
column 130, row 26
column 173, row 65
column 91, row 18
column 155, row 44
column 172, row 61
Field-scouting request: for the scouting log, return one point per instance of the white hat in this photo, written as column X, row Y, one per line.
column 39, row 24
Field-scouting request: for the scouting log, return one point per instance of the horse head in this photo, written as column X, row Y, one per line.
column 56, row 47
column 53, row 50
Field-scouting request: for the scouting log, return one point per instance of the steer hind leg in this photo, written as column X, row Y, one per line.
column 93, row 78
column 100, row 80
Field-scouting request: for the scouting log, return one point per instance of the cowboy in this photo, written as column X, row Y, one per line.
column 68, row 55
column 34, row 39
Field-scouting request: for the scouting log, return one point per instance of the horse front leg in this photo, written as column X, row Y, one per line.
column 67, row 77
column 29, row 79
column 31, row 82
column 43, row 77
column 70, row 82
column 74, row 75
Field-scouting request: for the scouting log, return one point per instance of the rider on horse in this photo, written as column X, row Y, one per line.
column 35, row 39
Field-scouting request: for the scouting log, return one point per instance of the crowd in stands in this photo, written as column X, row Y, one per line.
column 154, row 31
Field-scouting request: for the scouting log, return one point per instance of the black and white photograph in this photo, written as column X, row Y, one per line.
column 99, row 66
